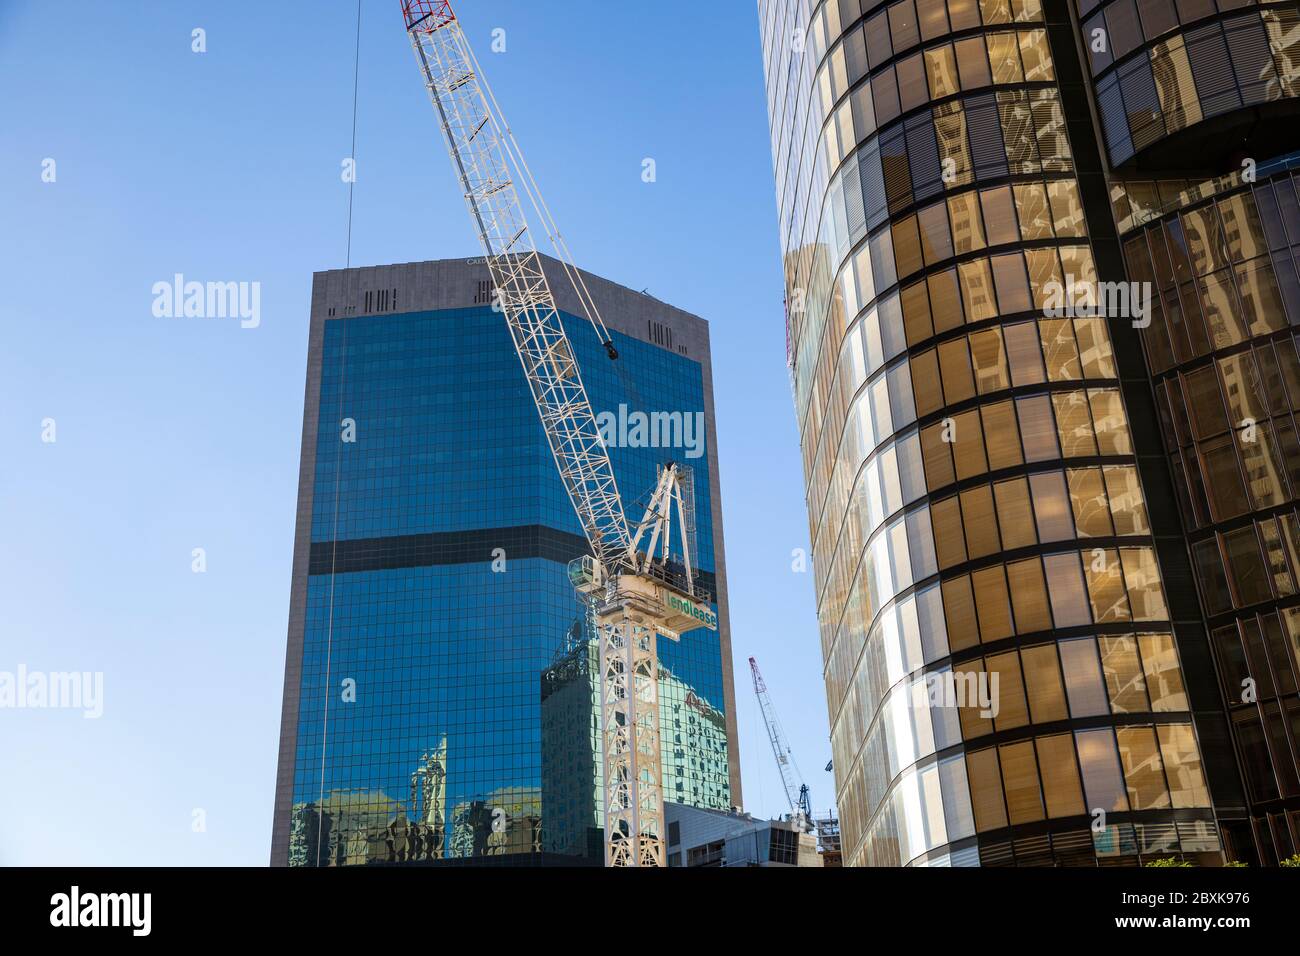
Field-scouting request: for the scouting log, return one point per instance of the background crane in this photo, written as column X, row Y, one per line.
column 633, row 597
column 796, row 791
column 826, row 825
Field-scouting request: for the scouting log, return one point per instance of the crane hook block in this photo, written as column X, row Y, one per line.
column 609, row 347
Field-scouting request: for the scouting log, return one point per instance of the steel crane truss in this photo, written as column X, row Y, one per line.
column 633, row 598
column 483, row 157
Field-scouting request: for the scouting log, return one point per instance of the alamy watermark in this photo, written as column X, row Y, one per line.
column 1075, row 299
column 58, row 690
column 179, row 299
column 964, row 689
column 628, row 429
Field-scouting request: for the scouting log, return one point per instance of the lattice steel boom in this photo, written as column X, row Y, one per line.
column 492, row 174
column 633, row 598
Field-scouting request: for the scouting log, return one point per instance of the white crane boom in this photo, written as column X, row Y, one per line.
column 795, row 791
column 492, row 174
column 634, row 599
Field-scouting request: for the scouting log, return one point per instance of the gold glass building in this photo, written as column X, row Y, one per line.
column 1021, row 665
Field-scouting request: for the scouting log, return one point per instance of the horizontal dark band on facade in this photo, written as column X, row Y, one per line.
column 474, row 546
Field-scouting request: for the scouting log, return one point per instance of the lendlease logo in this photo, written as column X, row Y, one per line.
column 74, row 909
column 681, row 430
column 705, row 617
column 208, row 300
column 58, row 690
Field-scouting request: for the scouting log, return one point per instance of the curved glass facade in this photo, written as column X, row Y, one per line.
column 1163, row 66
column 1002, row 681
column 1222, row 347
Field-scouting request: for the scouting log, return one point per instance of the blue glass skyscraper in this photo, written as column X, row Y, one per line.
column 438, row 701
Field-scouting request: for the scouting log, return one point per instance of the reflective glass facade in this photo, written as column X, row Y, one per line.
column 1005, row 681
column 1223, row 353
column 439, row 699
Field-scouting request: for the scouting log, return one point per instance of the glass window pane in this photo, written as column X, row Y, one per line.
column 986, row 789
column 1014, row 513
column 1051, row 506
column 1020, row 781
column 1008, row 701
column 1029, row 596
column 1142, row 576
column 1083, row 681
column 1043, row 684
column 1127, row 506
column 1125, row 680
column 1183, row 766
column 1060, row 775
column 1001, row 435
column 1106, row 587
column 1088, row 500
column 1144, row 774
column 1102, row 782
column 1164, row 677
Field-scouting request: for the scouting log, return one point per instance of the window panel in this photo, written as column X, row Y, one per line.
column 1128, row 508
column 1043, row 684
column 1088, row 501
column 1103, row 783
column 1074, row 421
column 1144, row 775
column 968, row 446
column 1162, row 673
column 1015, row 513
column 1142, row 577
column 1012, row 283
column 977, row 290
column 1106, row 587
column 1109, row 422
column 981, row 523
column 1001, row 436
column 1095, row 353
column 1061, row 787
column 949, row 539
column 1012, row 711
column 1004, row 58
column 1182, row 766
column 972, row 713
column 941, row 71
column 1059, row 350
column 986, row 789
column 999, row 216
column 1052, row 511
column 1084, row 685
column 1020, row 782
column 972, row 63
column 990, row 361
column 1024, row 354
column 1032, row 209
column 1037, row 428
column 967, row 228
column 1125, row 679
column 1066, row 587
column 959, row 614
column 1029, row 596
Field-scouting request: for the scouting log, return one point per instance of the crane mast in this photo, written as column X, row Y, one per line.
column 633, row 597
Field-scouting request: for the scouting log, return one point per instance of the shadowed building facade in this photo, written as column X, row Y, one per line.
column 1022, row 666
column 437, row 702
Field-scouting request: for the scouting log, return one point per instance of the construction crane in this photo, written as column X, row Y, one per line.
column 633, row 597
column 796, row 791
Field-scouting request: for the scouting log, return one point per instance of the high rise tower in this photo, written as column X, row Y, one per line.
column 436, row 704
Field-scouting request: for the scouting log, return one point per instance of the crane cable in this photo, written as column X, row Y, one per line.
column 338, row 460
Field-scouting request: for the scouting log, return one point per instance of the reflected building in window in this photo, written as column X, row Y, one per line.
column 430, row 602
column 1004, row 484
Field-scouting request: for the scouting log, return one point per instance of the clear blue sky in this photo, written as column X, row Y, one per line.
column 177, row 434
